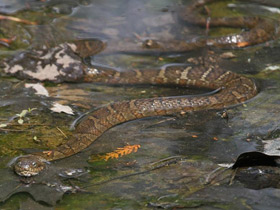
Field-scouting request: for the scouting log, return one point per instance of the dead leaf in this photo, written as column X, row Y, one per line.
column 61, row 108
column 119, row 152
column 39, row 88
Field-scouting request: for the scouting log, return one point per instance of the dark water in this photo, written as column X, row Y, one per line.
column 178, row 154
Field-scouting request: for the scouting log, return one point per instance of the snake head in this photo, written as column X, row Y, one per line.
column 29, row 165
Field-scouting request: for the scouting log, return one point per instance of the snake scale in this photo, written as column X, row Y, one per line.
column 231, row 89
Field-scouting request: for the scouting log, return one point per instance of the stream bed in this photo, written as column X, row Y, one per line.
column 169, row 162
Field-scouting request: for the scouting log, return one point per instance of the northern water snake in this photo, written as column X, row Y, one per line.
column 256, row 30
column 231, row 89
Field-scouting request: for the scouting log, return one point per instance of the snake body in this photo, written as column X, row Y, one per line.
column 231, row 89
column 260, row 29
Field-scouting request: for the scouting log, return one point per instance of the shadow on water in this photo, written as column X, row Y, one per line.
column 176, row 165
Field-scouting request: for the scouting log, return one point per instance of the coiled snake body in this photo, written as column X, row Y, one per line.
column 231, row 89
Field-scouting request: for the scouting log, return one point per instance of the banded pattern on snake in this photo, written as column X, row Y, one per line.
column 231, row 89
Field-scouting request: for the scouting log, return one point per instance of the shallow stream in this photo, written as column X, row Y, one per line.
column 173, row 167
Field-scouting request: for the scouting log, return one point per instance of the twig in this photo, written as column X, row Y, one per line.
column 13, row 130
column 15, row 19
column 27, row 124
column 166, row 159
column 62, row 132
column 232, row 177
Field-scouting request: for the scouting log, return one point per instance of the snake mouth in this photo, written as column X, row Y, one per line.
column 26, row 173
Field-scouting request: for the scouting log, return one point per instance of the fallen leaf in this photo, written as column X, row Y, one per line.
column 20, row 121
column 272, row 147
column 39, row 88
column 119, row 152
column 228, row 55
column 61, row 108
column 8, row 41
column 226, row 165
column 3, row 125
column 242, row 44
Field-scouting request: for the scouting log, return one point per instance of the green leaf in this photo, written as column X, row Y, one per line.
column 31, row 109
column 23, row 113
column 20, row 121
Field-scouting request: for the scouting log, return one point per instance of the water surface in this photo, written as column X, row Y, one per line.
column 177, row 153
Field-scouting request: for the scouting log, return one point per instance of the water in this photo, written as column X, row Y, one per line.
column 178, row 154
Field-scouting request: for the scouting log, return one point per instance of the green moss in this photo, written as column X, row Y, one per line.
column 267, row 74
column 98, row 201
column 220, row 9
column 220, row 31
column 18, row 136
column 14, row 202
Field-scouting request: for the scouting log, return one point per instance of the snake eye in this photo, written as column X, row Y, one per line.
column 34, row 164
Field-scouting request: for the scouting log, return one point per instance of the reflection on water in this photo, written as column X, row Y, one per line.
column 133, row 17
column 193, row 144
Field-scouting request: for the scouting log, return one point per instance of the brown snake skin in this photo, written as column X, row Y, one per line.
column 258, row 30
column 261, row 29
column 231, row 89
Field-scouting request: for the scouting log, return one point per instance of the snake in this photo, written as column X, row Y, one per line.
column 231, row 89
column 64, row 62
column 257, row 30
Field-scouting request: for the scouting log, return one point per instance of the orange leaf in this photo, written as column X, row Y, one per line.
column 215, row 139
column 119, row 152
column 242, row 44
column 8, row 41
column 48, row 152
